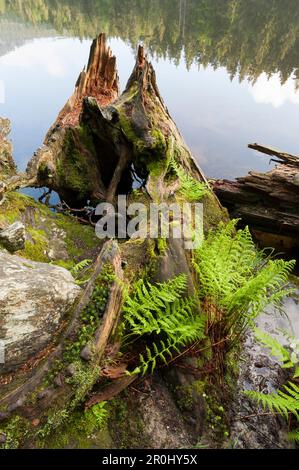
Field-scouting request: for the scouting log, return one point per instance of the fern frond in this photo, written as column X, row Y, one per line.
column 236, row 278
column 284, row 401
column 80, row 266
column 192, row 189
column 144, row 312
column 160, row 310
column 294, row 436
column 163, row 352
column 277, row 350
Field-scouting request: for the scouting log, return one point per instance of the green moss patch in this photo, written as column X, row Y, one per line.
column 42, row 225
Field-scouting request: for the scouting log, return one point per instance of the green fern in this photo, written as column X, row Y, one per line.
column 144, row 310
column 76, row 270
column 283, row 401
column 192, row 189
column 277, row 350
column 294, row 436
column 239, row 280
column 169, row 321
column 98, row 415
column 148, row 361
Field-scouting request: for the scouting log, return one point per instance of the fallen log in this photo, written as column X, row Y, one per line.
column 282, row 157
column 267, row 202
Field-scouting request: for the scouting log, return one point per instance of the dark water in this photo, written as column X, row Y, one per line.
column 227, row 69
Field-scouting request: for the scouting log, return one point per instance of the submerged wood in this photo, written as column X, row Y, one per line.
column 268, row 202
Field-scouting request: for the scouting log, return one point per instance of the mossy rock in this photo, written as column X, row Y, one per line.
column 50, row 236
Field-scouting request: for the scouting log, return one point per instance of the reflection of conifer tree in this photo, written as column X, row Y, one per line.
column 182, row 22
column 247, row 38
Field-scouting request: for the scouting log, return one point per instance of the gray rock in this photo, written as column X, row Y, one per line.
column 165, row 426
column 2, row 438
column 71, row 370
column 16, row 405
column 259, row 371
column 34, row 298
column 59, row 380
column 45, row 394
column 86, row 353
column 13, row 237
column 3, row 415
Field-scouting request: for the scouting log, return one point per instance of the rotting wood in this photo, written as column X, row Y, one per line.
column 17, row 396
column 100, row 81
column 89, row 151
column 111, row 391
column 267, row 202
column 283, row 157
column 96, row 348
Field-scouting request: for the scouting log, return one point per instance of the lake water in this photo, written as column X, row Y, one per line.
column 228, row 70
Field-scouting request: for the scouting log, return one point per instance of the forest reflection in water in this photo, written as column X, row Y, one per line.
column 247, row 38
column 245, row 89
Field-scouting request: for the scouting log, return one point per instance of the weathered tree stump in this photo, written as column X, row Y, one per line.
column 99, row 143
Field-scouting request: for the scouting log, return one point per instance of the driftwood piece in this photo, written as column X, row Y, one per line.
column 282, row 157
column 268, row 202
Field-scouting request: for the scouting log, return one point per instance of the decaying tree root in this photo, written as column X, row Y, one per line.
column 111, row 390
column 33, row 384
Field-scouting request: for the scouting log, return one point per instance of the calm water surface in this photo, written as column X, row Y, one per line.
column 228, row 70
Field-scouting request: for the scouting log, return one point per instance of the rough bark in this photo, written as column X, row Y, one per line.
column 97, row 346
column 99, row 80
